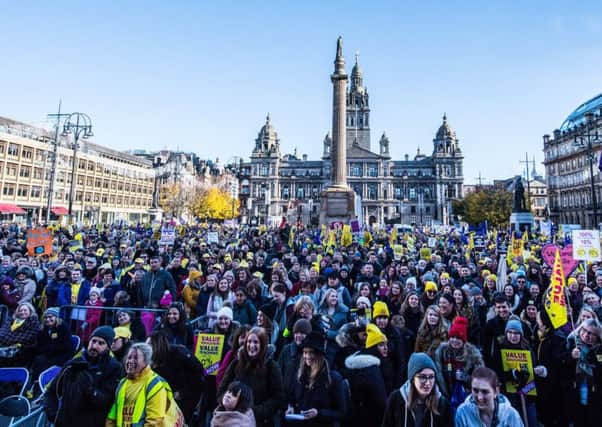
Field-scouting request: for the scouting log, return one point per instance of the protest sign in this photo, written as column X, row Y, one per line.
column 586, row 245
column 168, row 236
column 39, row 242
column 569, row 264
column 212, row 237
column 208, row 351
column 397, row 252
column 355, row 225
column 519, row 360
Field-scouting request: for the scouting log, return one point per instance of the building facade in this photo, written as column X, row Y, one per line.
column 571, row 158
column 413, row 190
column 109, row 185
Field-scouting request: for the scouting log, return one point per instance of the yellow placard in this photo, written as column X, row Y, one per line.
column 520, row 360
column 209, row 348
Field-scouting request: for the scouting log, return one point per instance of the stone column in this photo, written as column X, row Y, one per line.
column 339, row 114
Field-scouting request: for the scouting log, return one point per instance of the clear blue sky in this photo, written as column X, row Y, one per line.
column 201, row 76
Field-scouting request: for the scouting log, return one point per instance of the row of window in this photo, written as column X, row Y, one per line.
column 40, row 155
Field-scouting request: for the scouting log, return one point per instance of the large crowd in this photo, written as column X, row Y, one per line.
column 383, row 328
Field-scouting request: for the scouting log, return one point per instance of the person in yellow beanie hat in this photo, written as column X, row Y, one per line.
column 380, row 309
column 374, row 336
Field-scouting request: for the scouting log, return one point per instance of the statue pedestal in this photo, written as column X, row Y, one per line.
column 521, row 221
column 337, row 204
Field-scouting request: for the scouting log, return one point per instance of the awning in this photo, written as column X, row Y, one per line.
column 9, row 208
column 59, row 210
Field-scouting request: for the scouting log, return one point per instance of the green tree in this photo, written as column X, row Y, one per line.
column 493, row 205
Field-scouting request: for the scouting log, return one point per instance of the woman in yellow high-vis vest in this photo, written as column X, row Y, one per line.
column 143, row 398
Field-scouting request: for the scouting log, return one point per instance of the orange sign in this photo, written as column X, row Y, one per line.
column 39, row 241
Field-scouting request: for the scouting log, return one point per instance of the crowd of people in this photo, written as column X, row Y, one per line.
column 411, row 329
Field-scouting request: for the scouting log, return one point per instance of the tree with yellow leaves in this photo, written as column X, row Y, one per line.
column 214, row 204
column 170, row 199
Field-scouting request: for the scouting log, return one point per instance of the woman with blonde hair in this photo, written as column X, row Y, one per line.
column 432, row 331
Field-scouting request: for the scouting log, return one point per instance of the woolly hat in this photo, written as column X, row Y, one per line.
column 380, row 309
column 194, row 274
column 225, row 311
column 95, row 290
column 418, row 362
column 374, row 335
column 302, row 326
column 492, row 277
column 315, row 341
column 52, row 311
column 515, row 325
column 459, row 328
column 571, row 281
column 106, row 333
column 430, row 286
column 444, row 275
column 365, row 300
column 122, row 332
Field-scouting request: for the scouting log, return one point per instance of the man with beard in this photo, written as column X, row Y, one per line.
column 143, row 398
column 81, row 394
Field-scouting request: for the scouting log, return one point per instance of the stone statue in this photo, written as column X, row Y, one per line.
column 519, row 204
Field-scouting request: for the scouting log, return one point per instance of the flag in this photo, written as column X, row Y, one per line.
column 393, row 237
column 555, row 298
column 291, row 238
column 332, row 238
column 502, row 274
column 346, row 237
column 367, row 238
column 469, row 247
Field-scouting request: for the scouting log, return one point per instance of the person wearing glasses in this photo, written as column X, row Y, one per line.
column 583, row 373
column 418, row 402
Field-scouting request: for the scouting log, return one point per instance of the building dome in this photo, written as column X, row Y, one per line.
column 445, row 131
column 577, row 117
column 267, row 131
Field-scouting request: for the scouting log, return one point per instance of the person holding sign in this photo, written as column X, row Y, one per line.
column 514, row 363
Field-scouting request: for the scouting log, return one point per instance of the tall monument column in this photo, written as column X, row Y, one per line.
column 339, row 116
column 337, row 202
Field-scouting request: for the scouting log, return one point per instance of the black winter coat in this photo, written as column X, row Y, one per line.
column 185, row 374
column 55, row 344
column 367, row 388
column 268, row 396
column 82, row 393
column 327, row 398
column 549, row 352
column 288, row 362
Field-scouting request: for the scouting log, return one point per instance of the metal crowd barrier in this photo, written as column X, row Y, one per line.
column 76, row 316
column 36, row 418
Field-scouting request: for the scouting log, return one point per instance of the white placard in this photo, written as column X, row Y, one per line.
column 168, row 236
column 586, row 245
column 212, row 237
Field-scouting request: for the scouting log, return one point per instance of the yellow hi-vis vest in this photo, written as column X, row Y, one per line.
column 153, row 385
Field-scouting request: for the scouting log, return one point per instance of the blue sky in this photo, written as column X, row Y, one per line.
column 201, row 76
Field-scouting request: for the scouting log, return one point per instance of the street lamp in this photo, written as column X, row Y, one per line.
column 78, row 125
column 585, row 136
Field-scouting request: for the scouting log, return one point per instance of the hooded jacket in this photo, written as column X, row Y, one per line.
column 397, row 414
column 368, row 395
column 468, row 414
